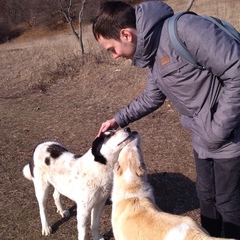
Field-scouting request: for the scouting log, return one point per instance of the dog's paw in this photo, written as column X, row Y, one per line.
column 46, row 231
column 64, row 213
column 99, row 238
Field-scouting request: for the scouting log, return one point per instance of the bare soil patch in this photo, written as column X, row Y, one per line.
column 40, row 104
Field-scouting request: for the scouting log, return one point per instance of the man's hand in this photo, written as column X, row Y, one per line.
column 109, row 124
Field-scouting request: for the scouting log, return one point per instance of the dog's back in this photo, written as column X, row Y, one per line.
column 44, row 154
column 135, row 214
column 138, row 218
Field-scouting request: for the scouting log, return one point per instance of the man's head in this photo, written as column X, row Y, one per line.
column 115, row 28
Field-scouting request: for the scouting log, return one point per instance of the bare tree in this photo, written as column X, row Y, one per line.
column 80, row 18
column 66, row 8
column 67, row 12
column 190, row 3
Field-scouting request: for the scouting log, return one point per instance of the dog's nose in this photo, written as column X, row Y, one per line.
column 127, row 129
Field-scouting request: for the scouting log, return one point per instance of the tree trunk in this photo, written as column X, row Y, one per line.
column 80, row 18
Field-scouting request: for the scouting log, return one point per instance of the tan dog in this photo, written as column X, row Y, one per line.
column 135, row 215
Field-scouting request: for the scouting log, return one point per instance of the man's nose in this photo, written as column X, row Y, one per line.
column 115, row 56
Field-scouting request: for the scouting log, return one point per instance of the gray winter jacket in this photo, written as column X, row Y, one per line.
column 209, row 99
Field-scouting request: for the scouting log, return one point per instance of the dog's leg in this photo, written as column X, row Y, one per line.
column 95, row 220
column 62, row 211
column 41, row 190
column 83, row 213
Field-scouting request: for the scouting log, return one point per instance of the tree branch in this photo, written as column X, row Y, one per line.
column 189, row 5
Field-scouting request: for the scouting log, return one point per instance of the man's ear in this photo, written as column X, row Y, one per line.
column 126, row 34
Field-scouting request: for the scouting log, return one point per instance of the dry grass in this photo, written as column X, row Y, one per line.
column 47, row 93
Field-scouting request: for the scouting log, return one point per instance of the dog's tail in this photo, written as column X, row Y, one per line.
column 27, row 173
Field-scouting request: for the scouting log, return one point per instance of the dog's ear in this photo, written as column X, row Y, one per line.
column 140, row 171
column 96, row 150
column 117, row 169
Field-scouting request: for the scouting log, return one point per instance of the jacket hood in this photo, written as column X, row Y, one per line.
column 150, row 17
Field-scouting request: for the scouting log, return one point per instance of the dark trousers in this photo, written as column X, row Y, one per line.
column 218, row 189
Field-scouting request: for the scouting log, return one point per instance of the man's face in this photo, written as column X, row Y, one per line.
column 124, row 48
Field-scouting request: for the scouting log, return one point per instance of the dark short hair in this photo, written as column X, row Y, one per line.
column 111, row 18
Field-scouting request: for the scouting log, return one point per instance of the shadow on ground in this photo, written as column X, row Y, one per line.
column 174, row 192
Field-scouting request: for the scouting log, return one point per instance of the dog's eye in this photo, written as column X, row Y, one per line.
column 109, row 133
column 108, row 136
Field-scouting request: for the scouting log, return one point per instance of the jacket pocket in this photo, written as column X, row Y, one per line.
column 172, row 69
column 201, row 125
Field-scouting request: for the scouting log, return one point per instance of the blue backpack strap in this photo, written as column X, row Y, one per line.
column 225, row 26
column 176, row 41
column 181, row 48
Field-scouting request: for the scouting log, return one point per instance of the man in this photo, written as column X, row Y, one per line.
column 208, row 99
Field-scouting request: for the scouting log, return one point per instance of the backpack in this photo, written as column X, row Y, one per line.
column 181, row 48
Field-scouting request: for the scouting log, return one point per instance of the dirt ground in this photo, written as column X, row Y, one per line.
column 70, row 110
column 45, row 95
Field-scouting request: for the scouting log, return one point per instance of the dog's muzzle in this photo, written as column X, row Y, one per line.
column 131, row 135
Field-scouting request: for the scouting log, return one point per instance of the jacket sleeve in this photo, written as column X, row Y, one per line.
column 220, row 55
column 151, row 99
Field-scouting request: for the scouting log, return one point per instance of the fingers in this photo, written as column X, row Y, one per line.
column 109, row 124
column 104, row 127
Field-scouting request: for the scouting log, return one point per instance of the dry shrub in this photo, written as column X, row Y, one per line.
column 69, row 65
column 7, row 32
